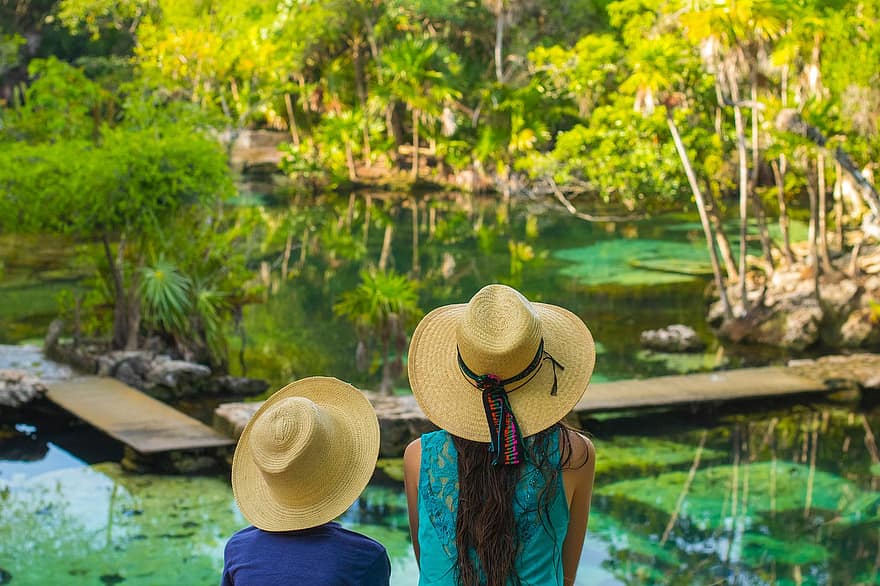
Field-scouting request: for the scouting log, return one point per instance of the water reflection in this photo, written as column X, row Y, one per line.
column 781, row 497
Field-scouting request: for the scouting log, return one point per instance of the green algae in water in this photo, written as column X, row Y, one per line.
column 608, row 262
column 634, row 456
column 781, row 485
column 85, row 523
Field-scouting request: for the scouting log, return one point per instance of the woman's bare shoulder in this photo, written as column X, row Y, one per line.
column 582, row 450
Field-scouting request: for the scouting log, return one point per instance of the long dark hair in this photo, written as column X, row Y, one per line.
column 485, row 523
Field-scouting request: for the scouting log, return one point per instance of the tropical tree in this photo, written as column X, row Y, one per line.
column 416, row 72
column 655, row 78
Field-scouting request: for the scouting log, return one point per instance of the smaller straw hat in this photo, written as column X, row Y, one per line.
column 306, row 455
column 499, row 333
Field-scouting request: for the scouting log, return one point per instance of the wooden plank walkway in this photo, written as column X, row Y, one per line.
column 727, row 385
column 132, row 417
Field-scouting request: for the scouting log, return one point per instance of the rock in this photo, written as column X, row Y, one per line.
column 857, row 330
column 52, row 335
column 840, row 297
column 177, row 374
column 238, row 386
column 230, row 418
column 674, row 338
column 801, row 328
column 859, row 370
column 796, row 327
column 18, row 388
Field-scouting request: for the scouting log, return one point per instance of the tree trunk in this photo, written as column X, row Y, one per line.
column 386, row 246
column 743, row 188
column 291, row 119
column 721, row 236
column 813, row 231
column 349, row 161
column 701, row 208
column 285, row 260
column 394, row 129
column 499, row 40
column 304, row 247
column 779, row 175
column 822, row 226
column 386, row 387
column 361, row 88
column 368, row 209
column 133, row 317
column 120, row 304
column 415, row 145
column 837, row 194
column 415, row 237
column 760, row 218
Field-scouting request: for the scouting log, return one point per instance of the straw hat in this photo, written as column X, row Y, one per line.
column 499, row 332
column 305, row 455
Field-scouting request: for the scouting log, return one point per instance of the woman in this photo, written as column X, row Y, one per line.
column 501, row 494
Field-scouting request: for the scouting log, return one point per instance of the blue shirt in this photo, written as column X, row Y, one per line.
column 326, row 555
column 539, row 561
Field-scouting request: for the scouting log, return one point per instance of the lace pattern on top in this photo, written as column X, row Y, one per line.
column 439, row 486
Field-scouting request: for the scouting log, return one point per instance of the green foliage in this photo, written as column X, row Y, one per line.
column 165, row 296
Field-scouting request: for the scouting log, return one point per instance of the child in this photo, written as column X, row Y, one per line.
column 301, row 461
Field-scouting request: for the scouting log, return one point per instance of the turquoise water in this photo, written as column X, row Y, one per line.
column 785, row 496
column 779, row 497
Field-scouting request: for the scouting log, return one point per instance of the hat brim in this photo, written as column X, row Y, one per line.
column 450, row 401
column 347, row 466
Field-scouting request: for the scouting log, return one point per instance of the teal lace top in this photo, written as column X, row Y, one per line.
column 539, row 562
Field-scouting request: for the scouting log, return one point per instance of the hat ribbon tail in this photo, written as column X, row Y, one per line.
column 506, row 446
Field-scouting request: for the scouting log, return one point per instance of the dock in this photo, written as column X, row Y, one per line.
column 139, row 421
column 710, row 387
column 401, row 419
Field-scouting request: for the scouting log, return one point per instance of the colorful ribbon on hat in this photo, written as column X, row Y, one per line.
column 506, row 438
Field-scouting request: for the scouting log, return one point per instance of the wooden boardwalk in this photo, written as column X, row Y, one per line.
column 728, row 385
column 132, row 417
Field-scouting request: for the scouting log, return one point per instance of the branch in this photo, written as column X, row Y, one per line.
column 790, row 120
column 588, row 217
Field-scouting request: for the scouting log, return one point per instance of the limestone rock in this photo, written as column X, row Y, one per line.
column 862, row 370
column 858, row 331
column 237, row 386
column 841, row 297
column 18, row 388
column 176, row 373
column 674, row 338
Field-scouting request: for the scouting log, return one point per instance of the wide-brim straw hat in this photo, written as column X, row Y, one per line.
column 499, row 332
column 306, row 455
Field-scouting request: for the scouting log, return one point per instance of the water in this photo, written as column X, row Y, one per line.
column 779, row 497
column 788, row 496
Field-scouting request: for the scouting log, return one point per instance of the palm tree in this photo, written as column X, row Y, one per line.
column 415, row 74
column 382, row 308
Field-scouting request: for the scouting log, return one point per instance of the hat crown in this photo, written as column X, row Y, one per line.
column 291, row 432
column 499, row 332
